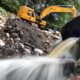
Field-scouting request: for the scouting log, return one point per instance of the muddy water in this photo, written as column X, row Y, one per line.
column 69, row 48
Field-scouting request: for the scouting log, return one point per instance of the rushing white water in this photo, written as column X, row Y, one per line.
column 42, row 68
column 32, row 69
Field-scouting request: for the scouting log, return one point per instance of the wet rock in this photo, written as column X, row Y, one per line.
column 27, row 51
column 14, row 35
column 17, row 39
column 38, row 51
column 8, row 35
column 71, row 29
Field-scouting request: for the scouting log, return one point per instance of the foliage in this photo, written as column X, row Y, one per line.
column 2, row 11
column 11, row 5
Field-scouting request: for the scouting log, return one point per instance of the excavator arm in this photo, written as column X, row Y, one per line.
column 53, row 9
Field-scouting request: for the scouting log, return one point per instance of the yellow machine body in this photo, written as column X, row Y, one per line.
column 29, row 14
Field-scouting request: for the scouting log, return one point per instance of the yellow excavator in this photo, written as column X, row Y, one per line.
column 29, row 14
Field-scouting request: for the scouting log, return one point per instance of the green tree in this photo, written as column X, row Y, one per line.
column 11, row 5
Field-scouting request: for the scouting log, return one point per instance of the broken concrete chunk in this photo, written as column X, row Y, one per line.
column 1, row 43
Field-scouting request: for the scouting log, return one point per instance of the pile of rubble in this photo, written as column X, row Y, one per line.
column 18, row 38
column 2, row 21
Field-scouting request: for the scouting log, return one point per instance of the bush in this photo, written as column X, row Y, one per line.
column 2, row 11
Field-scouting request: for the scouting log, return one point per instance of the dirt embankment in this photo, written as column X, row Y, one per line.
column 17, row 38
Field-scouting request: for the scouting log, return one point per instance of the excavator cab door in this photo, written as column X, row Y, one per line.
column 27, row 14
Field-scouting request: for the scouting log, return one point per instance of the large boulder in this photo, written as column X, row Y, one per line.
column 71, row 29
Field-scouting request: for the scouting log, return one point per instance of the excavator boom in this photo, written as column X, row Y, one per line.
column 53, row 9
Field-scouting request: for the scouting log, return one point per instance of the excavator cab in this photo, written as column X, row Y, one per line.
column 27, row 13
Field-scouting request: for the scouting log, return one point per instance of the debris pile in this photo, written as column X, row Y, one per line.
column 2, row 21
column 18, row 38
